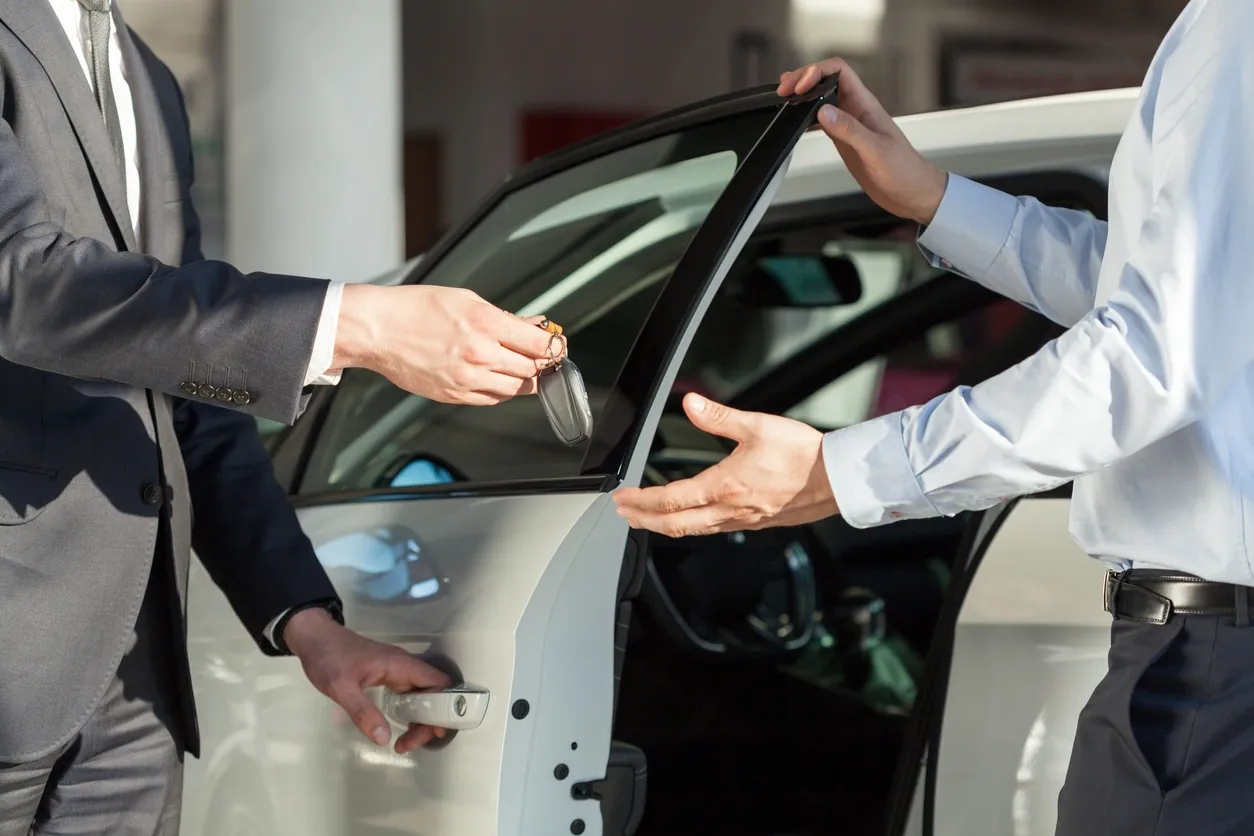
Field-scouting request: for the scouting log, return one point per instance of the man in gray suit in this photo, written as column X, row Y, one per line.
column 129, row 369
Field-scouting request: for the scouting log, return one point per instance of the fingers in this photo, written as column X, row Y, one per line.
column 504, row 361
column 405, row 673
column 520, row 335
column 843, row 128
column 502, row 387
column 803, row 79
column 853, row 97
column 717, row 419
column 678, row 496
column 417, row 736
column 693, row 522
column 364, row 714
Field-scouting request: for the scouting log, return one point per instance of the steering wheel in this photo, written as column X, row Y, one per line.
column 732, row 596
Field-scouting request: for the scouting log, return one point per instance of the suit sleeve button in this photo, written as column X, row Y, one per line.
column 206, row 391
column 225, row 395
column 188, row 387
column 153, row 494
column 243, row 398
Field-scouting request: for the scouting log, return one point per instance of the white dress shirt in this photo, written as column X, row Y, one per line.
column 74, row 19
column 1147, row 402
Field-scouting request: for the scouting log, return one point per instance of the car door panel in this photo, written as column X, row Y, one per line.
column 1028, row 648
column 502, row 561
column 512, row 587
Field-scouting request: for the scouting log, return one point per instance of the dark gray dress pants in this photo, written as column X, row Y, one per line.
column 122, row 774
column 1165, row 746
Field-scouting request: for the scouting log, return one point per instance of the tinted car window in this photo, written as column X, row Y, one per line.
column 956, row 352
column 737, row 344
column 591, row 247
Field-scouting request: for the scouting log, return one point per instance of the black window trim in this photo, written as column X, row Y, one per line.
column 670, row 314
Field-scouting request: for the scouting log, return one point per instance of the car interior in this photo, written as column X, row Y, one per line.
column 768, row 677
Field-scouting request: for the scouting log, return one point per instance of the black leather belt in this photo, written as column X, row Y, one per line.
column 1153, row 597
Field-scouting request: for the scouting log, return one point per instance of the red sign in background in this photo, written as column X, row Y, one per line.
column 545, row 130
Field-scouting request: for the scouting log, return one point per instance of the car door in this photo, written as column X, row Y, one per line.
column 473, row 536
column 1022, row 644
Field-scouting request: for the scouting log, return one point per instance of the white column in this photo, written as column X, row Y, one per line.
column 313, row 136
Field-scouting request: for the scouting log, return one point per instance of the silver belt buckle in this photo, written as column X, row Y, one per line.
column 1107, row 586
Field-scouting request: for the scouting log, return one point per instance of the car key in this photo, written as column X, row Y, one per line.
column 563, row 394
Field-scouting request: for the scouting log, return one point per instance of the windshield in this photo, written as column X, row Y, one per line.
column 591, row 247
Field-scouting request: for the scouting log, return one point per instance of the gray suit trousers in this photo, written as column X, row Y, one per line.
column 122, row 774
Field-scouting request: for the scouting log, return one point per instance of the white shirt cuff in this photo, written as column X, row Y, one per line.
column 970, row 229
column 268, row 633
column 320, row 371
column 871, row 475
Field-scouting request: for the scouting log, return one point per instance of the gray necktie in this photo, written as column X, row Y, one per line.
column 98, row 20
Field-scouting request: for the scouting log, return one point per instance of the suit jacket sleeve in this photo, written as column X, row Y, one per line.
column 245, row 532
column 73, row 306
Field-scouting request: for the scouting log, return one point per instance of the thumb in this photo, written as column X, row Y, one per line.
column 843, row 128
column 717, row 419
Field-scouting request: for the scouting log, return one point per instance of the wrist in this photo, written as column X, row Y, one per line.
column 307, row 628
column 355, row 338
column 933, row 194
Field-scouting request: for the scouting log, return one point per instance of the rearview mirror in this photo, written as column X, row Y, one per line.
column 797, row 281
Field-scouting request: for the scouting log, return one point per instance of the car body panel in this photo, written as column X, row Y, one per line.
column 1029, row 648
column 500, row 563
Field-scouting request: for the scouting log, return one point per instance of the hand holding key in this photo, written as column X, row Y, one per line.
column 443, row 343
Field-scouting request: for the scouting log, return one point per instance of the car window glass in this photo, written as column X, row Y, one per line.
column 736, row 344
column 957, row 352
column 591, row 247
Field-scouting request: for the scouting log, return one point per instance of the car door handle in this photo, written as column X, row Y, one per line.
column 460, row 708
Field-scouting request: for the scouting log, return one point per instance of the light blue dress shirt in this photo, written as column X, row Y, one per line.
column 1147, row 402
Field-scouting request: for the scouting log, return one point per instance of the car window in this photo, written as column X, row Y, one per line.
column 736, row 344
column 591, row 246
column 962, row 351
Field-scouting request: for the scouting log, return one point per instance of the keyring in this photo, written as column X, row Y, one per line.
column 554, row 356
column 551, row 327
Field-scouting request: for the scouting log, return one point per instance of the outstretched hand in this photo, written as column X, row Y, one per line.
column 774, row 477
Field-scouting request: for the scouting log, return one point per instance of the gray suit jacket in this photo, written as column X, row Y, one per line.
column 100, row 342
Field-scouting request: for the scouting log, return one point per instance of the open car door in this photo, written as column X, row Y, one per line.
column 1021, row 646
column 474, row 536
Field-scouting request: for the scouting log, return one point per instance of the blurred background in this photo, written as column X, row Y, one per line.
column 339, row 138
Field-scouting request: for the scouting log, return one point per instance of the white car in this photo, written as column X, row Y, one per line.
column 919, row 678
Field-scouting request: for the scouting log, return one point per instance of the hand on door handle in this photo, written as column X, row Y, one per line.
column 460, row 707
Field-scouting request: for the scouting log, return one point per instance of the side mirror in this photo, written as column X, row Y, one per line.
column 797, row 281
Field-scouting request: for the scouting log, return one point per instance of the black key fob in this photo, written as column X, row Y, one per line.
column 561, row 391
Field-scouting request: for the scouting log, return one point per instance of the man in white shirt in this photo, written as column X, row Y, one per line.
column 1146, row 403
column 131, row 369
